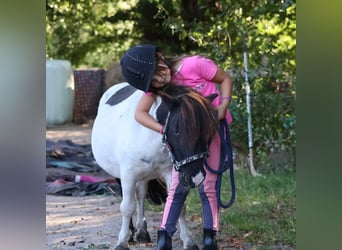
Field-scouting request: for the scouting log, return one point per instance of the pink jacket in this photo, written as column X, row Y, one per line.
column 197, row 72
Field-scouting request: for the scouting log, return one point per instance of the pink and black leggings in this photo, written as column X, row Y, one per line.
column 207, row 191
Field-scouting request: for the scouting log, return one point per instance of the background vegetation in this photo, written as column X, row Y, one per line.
column 263, row 214
column 93, row 33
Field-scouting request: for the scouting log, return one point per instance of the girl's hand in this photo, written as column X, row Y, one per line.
column 221, row 111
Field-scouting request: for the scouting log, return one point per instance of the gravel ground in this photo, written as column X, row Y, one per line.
column 90, row 222
column 93, row 222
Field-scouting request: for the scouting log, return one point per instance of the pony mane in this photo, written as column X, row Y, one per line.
column 195, row 113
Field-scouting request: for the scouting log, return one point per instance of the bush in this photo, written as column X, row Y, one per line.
column 273, row 121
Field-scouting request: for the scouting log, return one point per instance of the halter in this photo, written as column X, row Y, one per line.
column 178, row 164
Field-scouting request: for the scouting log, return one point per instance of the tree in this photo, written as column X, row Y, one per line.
column 223, row 30
column 95, row 33
column 81, row 31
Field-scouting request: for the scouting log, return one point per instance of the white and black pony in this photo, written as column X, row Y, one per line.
column 137, row 155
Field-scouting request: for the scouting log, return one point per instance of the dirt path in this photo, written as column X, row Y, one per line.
column 93, row 222
column 90, row 222
column 80, row 134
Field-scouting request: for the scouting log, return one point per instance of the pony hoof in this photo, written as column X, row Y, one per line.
column 131, row 239
column 143, row 237
column 121, row 247
column 193, row 247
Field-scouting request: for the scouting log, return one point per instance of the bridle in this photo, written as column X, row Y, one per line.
column 178, row 164
column 226, row 159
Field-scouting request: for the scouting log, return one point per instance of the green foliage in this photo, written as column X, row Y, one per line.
column 273, row 121
column 267, row 31
column 264, row 211
column 95, row 33
column 84, row 32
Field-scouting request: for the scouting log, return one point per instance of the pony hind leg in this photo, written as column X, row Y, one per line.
column 188, row 243
column 127, row 209
column 142, row 235
column 133, row 230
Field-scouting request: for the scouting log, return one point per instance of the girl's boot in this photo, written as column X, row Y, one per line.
column 164, row 241
column 209, row 239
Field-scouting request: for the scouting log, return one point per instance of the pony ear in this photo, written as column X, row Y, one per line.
column 211, row 97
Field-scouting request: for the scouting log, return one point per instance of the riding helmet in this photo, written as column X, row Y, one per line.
column 138, row 66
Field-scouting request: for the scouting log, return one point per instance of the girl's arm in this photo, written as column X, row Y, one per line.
column 223, row 78
column 142, row 113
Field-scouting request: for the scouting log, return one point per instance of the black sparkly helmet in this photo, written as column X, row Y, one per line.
column 138, row 66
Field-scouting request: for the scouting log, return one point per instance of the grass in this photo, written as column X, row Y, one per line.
column 263, row 213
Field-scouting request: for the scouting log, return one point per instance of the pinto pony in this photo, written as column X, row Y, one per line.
column 137, row 155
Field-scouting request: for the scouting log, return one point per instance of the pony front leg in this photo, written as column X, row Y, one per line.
column 142, row 234
column 185, row 236
column 127, row 208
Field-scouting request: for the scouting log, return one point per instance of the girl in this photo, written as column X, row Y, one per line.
column 145, row 68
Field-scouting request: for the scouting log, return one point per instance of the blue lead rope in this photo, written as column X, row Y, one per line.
column 226, row 162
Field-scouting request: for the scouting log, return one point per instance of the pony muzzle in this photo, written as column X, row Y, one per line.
column 191, row 170
column 191, row 177
column 198, row 179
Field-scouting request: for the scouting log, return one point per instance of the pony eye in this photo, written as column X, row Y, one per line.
column 176, row 132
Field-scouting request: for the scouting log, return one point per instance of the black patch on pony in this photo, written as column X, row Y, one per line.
column 121, row 95
column 162, row 111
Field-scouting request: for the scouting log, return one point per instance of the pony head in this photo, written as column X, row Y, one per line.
column 190, row 122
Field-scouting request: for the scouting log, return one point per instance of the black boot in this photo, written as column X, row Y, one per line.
column 209, row 239
column 164, row 241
